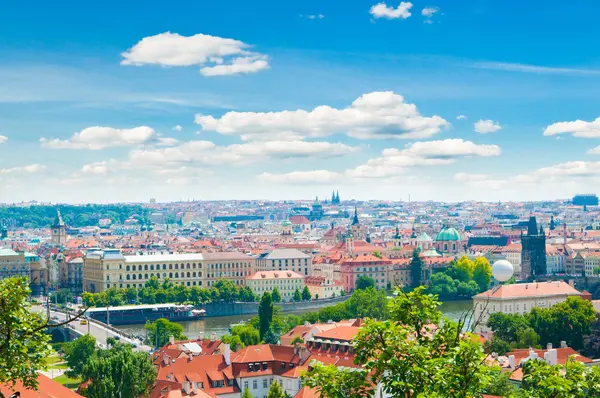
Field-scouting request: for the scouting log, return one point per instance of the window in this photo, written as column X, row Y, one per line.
column 265, row 383
column 245, row 385
column 255, row 384
column 264, row 366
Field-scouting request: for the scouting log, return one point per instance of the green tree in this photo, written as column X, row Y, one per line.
column 24, row 342
column 77, row 352
column 500, row 384
column 527, row 338
column 467, row 290
column 265, row 314
column 275, row 391
column 482, row 273
column 306, row 294
column 233, row 340
column 592, row 340
column 160, row 330
column 571, row 380
column 364, row 282
column 119, row 372
column 497, row 345
column 297, row 295
column 227, row 289
column 443, row 285
column 271, row 336
column 297, row 340
column 275, row 295
column 248, row 335
column 247, row 393
column 407, row 359
column 416, row 269
column 462, row 270
column 62, row 296
column 506, row 326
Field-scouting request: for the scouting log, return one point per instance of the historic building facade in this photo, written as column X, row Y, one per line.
column 533, row 253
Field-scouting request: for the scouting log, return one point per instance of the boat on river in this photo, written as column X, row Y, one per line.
column 139, row 314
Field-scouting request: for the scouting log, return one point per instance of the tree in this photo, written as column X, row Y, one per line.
column 506, row 326
column 571, row 380
column 233, row 340
column 306, row 294
column 500, row 384
column 467, row 289
column 416, row 269
column 160, row 330
column 497, row 345
column 24, row 342
column 364, row 282
column 247, row 393
column 406, row 358
column 118, row 372
column 62, row 296
column 482, row 273
column 592, row 340
column 443, row 285
column 275, row 391
column 275, row 295
column 247, row 334
column 297, row 340
column 297, row 295
column 271, row 336
column 462, row 269
column 228, row 291
column 77, row 352
column 265, row 314
column 527, row 338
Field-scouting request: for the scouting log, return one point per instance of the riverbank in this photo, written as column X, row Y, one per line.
column 215, row 309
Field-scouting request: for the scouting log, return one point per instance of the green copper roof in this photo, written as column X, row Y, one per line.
column 286, row 223
column 448, row 234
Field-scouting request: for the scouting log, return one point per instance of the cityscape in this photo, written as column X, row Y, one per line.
column 299, row 200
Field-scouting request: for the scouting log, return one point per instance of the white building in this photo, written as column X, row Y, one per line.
column 285, row 260
column 519, row 299
column 285, row 281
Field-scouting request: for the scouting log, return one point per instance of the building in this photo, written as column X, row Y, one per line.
column 47, row 388
column 369, row 265
column 585, row 200
column 285, row 260
column 322, row 288
column 59, row 231
column 316, row 212
column 575, row 264
column 287, row 282
column 335, row 198
column 75, row 275
column 519, row 299
column 109, row 267
column 449, row 241
column 533, row 253
column 24, row 264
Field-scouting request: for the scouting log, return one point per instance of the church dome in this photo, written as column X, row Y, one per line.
column 286, row 223
column 448, row 234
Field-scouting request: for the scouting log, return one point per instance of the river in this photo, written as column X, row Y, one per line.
column 220, row 325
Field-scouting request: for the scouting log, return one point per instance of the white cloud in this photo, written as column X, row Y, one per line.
column 373, row 115
column 381, row 10
column 579, row 128
column 177, row 128
column 302, row 177
column 217, row 56
column 98, row 137
column 429, row 11
column 3, row 139
column 315, row 16
column 29, row 169
column 461, row 117
column 512, row 67
column 486, row 126
column 466, row 177
column 283, row 149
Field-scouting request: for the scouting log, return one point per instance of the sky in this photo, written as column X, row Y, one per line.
column 444, row 100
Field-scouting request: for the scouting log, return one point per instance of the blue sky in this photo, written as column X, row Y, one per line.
column 222, row 106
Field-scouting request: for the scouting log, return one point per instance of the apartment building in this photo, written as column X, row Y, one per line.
column 287, row 282
column 285, row 260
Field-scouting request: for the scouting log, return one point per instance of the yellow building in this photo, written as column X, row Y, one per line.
column 286, row 282
column 107, row 268
column 14, row 264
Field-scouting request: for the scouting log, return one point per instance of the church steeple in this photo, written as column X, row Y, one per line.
column 355, row 219
column 552, row 225
column 59, row 230
column 333, row 198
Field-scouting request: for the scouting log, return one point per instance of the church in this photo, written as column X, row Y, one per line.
column 533, row 254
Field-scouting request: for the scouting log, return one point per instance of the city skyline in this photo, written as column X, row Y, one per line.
column 445, row 101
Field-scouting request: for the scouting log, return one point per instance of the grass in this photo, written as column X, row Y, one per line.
column 52, row 360
column 68, row 382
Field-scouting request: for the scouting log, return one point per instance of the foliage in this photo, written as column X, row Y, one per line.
column 275, row 295
column 416, row 269
column 234, row 341
column 571, row 380
column 592, row 340
column 407, row 358
column 160, row 330
column 118, row 372
column 247, row 393
column 377, row 254
column 24, row 342
column 75, row 216
column 275, row 391
column 369, row 303
column 527, row 338
column 297, row 340
column 77, row 352
column 500, row 384
column 497, row 345
column 482, row 273
column 297, row 295
column 364, row 282
column 155, row 292
column 62, row 296
column 271, row 336
column 306, row 294
column 247, row 334
column 505, row 326
column 462, row 269
column 265, row 314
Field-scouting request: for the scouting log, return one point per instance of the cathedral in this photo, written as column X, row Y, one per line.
column 335, row 198
column 533, row 253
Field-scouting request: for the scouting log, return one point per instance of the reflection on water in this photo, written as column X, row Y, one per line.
column 220, row 325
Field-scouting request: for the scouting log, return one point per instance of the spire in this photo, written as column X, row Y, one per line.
column 532, row 226
column 333, row 197
column 355, row 219
column 414, row 232
column 541, row 230
column 397, row 236
column 337, row 197
column 58, row 221
column 552, row 225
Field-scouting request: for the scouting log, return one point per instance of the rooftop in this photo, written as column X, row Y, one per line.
column 535, row 289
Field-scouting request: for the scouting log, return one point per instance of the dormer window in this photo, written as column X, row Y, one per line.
column 250, row 367
column 264, row 366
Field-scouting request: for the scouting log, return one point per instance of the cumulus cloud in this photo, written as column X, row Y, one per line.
column 579, row 128
column 461, row 117
column 429, row 11
column 382, row 10
column 217, row 56
column 486, row 126
column 302, row 177
column 177, row 128
column 467, row 177
column 373, row 115
column 98, row 137
column 3, row 139
column 29, row 169
column 315, row 16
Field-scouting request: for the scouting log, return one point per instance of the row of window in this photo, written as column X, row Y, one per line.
column 188, row 283
column 152, row 267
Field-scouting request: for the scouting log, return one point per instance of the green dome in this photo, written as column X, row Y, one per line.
column 448, row 234
column 286, row 223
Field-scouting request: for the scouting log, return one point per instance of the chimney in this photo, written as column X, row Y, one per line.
column 551, row 357
column 304, row 354
column 190, row 357
column 227, row 354
column 171, row 339
column 563, row 344
column 532, row 354
column 549, row 346
column 511, row 361
column 201, row 337
column 213, row 337
column 296, row 348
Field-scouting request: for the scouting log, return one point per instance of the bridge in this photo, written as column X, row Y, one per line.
column 100, row 331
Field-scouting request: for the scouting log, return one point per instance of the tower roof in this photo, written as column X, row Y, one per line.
column 355, row 219
column 58, row 221
column 448, row 234
column 532, row 228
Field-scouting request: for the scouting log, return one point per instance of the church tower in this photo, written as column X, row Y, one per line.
column 59, row 230
column 533, row 253
column 350, row 242
column 397, row 238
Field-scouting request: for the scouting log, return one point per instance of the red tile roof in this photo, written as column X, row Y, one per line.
column 47, row 388
column 556, row 288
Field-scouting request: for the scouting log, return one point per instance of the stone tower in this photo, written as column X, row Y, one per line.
column 59, row 231
column 533, row 253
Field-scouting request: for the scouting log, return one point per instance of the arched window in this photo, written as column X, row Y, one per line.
column 151, row 267
column 188, row 274
column 145, row 276
column 158, row 275
column 170, row 274
column 170, row 266
column 133, row 276
column 145, row 267
column 176, row 266
column 128, row 277
column 140, row 276
column 194, row 265
column 200, row 274
column 176, row 275
column 188, row 266
column 194, row 274
column 128, row 268
column 164, row 266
